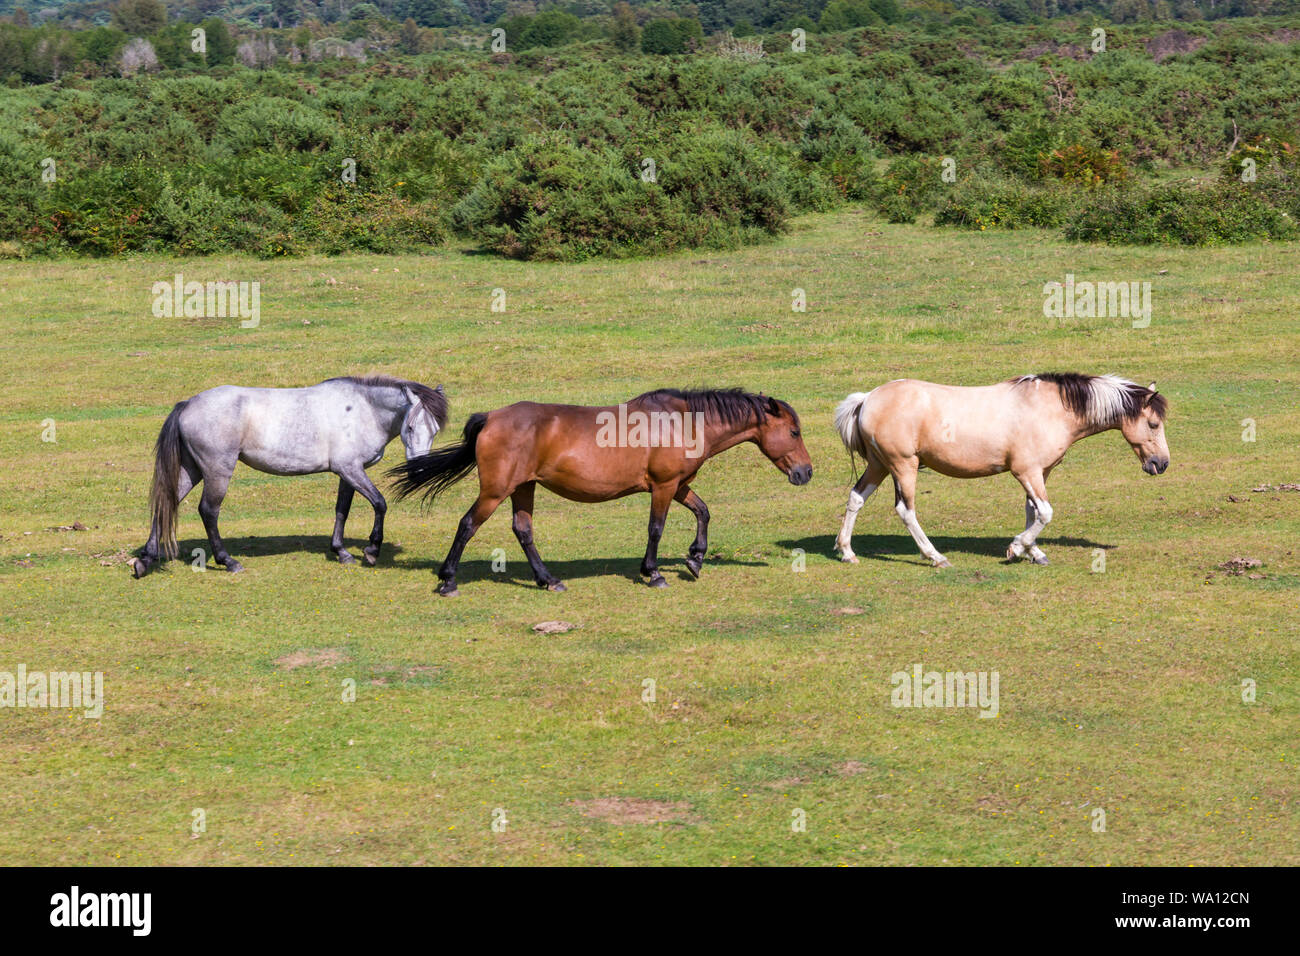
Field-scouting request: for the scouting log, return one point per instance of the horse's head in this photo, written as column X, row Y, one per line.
column 780, row 440
column 419, row 427
column 1145, row 432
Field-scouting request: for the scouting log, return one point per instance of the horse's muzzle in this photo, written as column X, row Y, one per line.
column 1155, row 466
column 800, row 474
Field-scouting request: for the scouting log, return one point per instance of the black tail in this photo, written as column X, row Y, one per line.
column 439, row 470
column 163, row 498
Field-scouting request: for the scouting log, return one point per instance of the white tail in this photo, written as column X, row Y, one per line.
column 847, row 418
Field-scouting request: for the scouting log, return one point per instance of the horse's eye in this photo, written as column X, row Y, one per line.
column 1155, row 426
column 795, row 433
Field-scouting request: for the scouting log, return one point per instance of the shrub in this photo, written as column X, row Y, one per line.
column 549, row 199
column 981, row 202
column 1194, row 215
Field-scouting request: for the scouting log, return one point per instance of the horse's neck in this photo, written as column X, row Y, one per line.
column 1081, row 428
column 719, row 436
column 389, row 404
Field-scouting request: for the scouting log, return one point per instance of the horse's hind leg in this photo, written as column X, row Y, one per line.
column 522, row 503
column 214, row 492
column 189, row 477
column 695, row 556
column 1037, row 514
column 905, row 505
column 356, row 477
column 342, row 505
column 871, row 478
column 473, row 519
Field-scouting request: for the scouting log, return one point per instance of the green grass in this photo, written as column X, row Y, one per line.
column 1119, row 690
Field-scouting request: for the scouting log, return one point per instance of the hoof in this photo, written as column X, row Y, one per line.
column 849, row 558
column 695, row 567
column 138, row 568
column 1040, row 559
column 943, row 563
column 448, row 589
column 369, row 558
column 657, row 582
column 555, row 586
column 345, row 558
column 233, row 566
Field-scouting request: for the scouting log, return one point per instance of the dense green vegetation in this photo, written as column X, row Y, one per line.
column 280, row 141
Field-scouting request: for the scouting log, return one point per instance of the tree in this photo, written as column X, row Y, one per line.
column 626, row 34
column 409, row 39
column 138, row 55
column 101, row 45
column 659, row 36
column 140, row 17
column 221, row 48
column 690, row 31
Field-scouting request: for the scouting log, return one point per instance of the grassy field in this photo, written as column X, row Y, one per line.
column 1119, row 690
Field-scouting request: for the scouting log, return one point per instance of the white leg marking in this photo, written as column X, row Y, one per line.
column 914, row 527
column 856, row 501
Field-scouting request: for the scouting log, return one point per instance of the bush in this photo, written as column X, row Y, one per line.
column 908, row 186
column 981, row 202
column 1194, row 215
column 549, row 199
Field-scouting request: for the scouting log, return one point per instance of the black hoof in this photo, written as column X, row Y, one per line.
column 233, row 566
column 657, row 582
column 694, row 567
column 344, row 557
column 555, row 586
column 138, row 568
column 448, row 589
column 369, row 558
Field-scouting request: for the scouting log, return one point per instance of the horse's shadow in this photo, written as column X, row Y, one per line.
column 518, row 572
column 901, row 547
column 261, row 546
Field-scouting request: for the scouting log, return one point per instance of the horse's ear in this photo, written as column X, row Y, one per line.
column 438, row 387
column 410, row 396
column 1151, row 387
column 773, row 408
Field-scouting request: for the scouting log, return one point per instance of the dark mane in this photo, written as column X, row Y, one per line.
column 732, row 406
column 1102, row 399
column 433, row 400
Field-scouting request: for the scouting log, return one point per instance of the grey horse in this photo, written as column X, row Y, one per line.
column 341, row 425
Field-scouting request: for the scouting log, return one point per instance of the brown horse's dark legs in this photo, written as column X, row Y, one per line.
column 695, row 557
column 660, row 499
column 341, row 508
column 522, row 502
column 470, row 523
column 214, row 492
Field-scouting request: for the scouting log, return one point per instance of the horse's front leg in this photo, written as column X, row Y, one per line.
column 1037, row 514
column 695, row 556
column 660, row 498
column 357, row 477
column 341, row 508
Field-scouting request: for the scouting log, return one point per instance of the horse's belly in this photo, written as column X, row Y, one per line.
column 589, row 492
column 958, row 466
column 274, row 462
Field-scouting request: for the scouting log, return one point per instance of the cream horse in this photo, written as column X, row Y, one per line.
column 1024, row 426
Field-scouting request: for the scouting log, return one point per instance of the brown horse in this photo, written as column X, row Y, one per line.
column 1024, row 426
column 656, row 443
